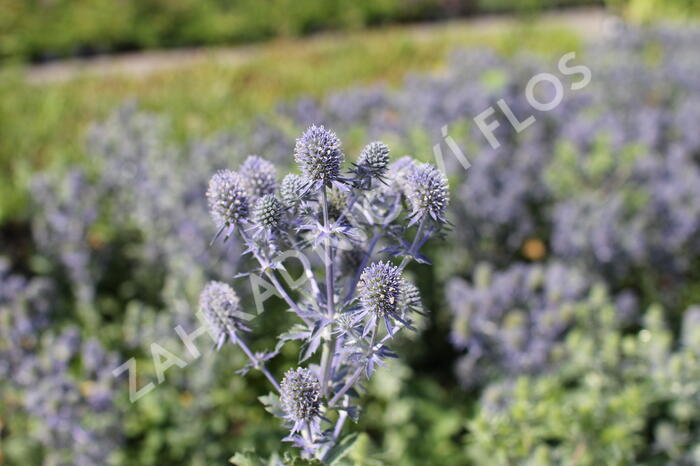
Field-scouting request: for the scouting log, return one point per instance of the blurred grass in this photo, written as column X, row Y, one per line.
column 43, row 125
column 650, row 11
column 46, row 29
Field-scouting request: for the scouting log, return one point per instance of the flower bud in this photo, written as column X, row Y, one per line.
column 267, row 212
column 374, row 159
column 228, row 200
column 221, row 308
column 259, row 176
column 300, row 395
column 292, row 189
column 319, row 155
column 427, row 192
column 409, row 298
column 379, row 288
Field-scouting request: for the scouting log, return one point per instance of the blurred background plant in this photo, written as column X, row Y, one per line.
column 564, row 319
column 41, row 30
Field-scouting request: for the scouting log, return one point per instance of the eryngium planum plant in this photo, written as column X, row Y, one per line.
column 350, row 304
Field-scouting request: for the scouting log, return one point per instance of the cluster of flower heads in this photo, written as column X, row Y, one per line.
column 348, row 313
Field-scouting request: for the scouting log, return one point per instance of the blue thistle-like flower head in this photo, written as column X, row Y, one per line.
column 427, row 192
column 379, row 288
column 319, row 155
column 259, row 176
column 221, row 308
column 228, row 200
column 267, row 212
column 374, row 159
column 293, row 189
column 300, row 397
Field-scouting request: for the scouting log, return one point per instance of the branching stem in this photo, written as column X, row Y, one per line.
column 271, row 276
column 412, row 251
column 254, row 360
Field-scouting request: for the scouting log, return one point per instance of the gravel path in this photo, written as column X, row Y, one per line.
column 590, row 23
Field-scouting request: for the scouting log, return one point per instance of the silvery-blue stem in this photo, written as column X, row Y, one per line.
column 357, row 372
column 307, row 271
column 329, row 345
column 256, row 363
column 271, row 276
column 350, row 382
column 412, row 250
column 339, row 424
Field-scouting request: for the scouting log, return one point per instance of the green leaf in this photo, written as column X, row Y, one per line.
column 271, row 401
column 247, row 459
column 294, row 460
column 343, row 447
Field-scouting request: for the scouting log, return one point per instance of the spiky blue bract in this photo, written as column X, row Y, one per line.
column 267, row 212
column 319, row 155
column 259, row 176
column 379, row 288
column 427, row 192
column 221, row 307
column 228, row 199
column 300, row 397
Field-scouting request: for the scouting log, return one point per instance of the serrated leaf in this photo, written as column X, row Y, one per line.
column 298, row 332
column 310, row 348
column 271, row 402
